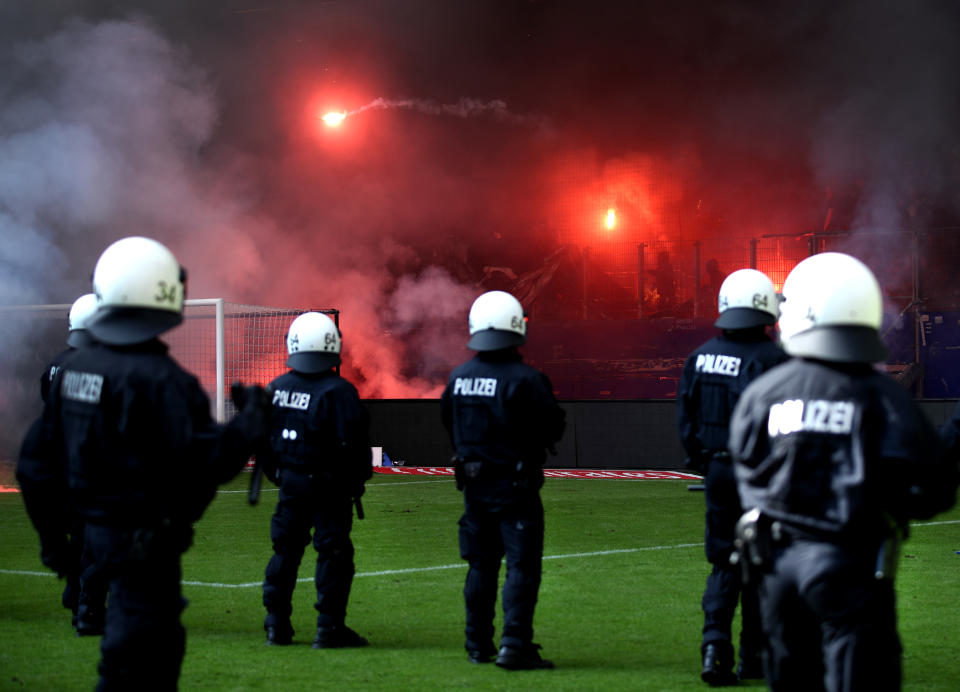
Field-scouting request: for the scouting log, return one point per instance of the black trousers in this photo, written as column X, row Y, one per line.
column 71, row 590
column 831, row 625
column 331, row 519
column 488, row 533
column 144, row 642
column 85, row 592
column 725, row 586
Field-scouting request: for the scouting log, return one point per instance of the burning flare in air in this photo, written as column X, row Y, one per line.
column 611, row 221
column 333, row 119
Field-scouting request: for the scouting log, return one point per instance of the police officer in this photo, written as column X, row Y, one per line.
column 85, row 591
column 126, row 439
column 713, row 378
column 832, row 458
column 77, row 337
column 501, row 416
column 319, row 454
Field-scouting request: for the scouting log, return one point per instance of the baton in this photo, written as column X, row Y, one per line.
column 255, row 481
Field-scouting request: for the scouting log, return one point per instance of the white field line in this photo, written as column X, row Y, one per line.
column 409, row 570
column 459, row 565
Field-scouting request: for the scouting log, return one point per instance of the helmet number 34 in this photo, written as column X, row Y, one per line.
column 166, row 292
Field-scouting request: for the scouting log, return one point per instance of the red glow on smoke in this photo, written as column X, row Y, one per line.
column 657, row 231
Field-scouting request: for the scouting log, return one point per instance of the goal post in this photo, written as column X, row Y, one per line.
column 194, row 348
column 219, row 342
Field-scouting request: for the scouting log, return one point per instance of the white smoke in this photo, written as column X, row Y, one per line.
column 103, row 129
column 97, row 144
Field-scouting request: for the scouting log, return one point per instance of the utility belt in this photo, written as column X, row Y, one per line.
column 701, row 461
column 160, row 540
column 167, row 540
column 300, row 479
column 470, row 471
column 759, row 538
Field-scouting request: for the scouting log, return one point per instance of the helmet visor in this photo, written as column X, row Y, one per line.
column 312, row 361
column 79, row 338
column 495, row 339
column 741, row 318
column 841, row 344
column 124, row 326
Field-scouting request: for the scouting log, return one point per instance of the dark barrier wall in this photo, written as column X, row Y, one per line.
column 600, row 434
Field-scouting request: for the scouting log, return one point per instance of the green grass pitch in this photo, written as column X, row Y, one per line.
column 619, row 605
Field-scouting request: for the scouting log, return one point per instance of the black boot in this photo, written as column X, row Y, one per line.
column 481, row 654
column 717, row 668
column 750, row 667
column 526, row 657
column 337, row 637
column 279, row 634
column 91, row 621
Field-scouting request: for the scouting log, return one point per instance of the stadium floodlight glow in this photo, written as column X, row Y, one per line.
column 611, row 219
column 333, row 119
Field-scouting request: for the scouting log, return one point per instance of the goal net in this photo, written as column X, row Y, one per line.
column 222, row 342
column 219, row 342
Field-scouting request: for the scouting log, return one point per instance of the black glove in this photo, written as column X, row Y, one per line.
column 238, row 395
column 253, row 405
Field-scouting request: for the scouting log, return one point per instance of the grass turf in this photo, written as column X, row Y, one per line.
column 619, row 605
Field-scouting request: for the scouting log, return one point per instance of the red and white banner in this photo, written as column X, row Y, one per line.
column 549, row 473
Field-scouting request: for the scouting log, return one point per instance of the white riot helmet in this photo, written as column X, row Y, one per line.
column 314, row 343
column 496, row 321
column 140, row 290
column 832, row 310
column 80, row 313
column 747, row 299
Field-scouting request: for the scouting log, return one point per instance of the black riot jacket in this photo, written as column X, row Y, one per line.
column 501, row 411
column 714, row 376
column 51, row 371
column 837, row 451
column 319, row 427
column 126, row 438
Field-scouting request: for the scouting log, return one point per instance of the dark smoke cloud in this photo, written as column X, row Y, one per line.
column 890, row 124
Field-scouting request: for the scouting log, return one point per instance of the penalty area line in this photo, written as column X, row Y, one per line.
column 459, row 565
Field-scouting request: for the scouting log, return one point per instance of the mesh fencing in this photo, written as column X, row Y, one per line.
column 252, row 349
column 683, row 278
